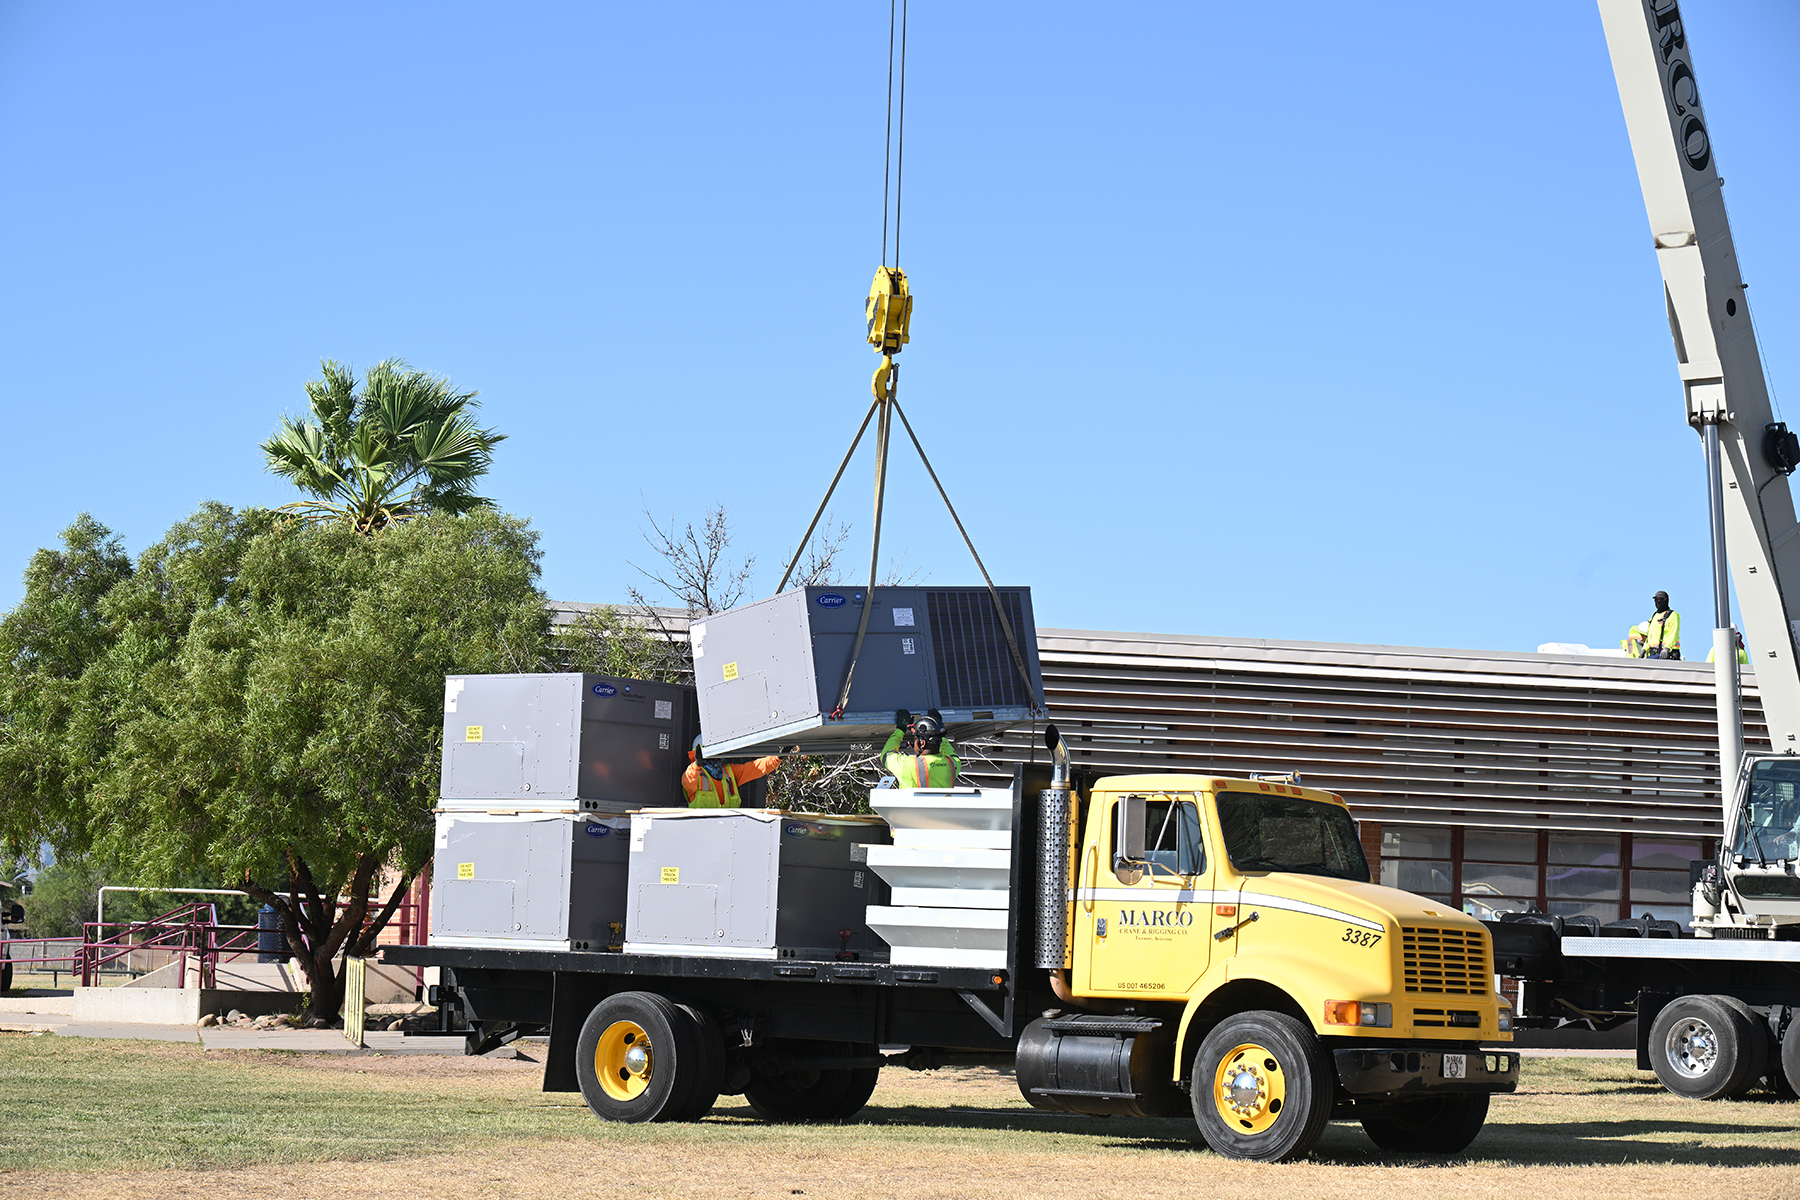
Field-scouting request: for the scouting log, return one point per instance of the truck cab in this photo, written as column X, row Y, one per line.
column 1227, row 929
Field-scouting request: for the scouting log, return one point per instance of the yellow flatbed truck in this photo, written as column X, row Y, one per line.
column 1173, row 944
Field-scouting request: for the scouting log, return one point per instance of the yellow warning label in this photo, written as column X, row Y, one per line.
column 730, row 671
column 472, row 733
column 465, row 870
column 671, row 874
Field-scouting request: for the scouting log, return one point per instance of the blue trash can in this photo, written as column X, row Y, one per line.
column 271, row 943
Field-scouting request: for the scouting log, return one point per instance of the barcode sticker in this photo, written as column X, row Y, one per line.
column 665, row 711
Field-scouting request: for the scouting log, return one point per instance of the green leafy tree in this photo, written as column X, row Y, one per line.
column 291, row 741
column 259, row 704
column 50, row 748
column 406, row 444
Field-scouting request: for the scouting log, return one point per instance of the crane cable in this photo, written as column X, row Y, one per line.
column 889, row 313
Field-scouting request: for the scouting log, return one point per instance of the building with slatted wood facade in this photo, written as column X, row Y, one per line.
column 1488, row 779
column 1491, row 780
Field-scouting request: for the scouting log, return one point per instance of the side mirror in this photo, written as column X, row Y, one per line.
column 1128, row 839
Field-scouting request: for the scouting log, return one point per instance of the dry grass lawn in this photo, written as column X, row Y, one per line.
column 85, row 1118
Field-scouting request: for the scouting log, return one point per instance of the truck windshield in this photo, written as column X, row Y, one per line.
column 1769, row 828
column 1285, row 833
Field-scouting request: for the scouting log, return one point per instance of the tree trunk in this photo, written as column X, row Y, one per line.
column 317, row 933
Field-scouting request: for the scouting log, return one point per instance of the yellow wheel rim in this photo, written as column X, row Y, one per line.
column 623, row 1060
column 1249, row 1089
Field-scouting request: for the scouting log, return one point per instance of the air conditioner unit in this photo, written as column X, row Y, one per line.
column 564, row 743
column 769, row 673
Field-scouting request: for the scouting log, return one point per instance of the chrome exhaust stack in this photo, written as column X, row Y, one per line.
column 1056, row 859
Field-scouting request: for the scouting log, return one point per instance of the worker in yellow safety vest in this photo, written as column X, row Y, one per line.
column 712, row 784
column 917, row 753
column 1658, row 637
column 1743, row 654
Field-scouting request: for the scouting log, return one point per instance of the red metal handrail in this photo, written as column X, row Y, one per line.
column 188, row 929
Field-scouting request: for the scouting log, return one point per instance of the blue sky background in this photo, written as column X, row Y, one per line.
column 1299, row 321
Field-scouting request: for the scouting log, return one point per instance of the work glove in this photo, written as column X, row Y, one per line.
column 902, row 719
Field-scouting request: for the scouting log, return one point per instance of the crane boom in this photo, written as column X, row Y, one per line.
column 1715, row 344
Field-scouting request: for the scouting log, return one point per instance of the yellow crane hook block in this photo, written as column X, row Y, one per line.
column 889, row 310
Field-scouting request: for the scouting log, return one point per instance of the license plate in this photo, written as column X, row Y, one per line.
column 1456, row 1066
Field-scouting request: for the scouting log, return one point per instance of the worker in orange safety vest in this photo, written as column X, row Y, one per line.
column 712, row 784
column 928, row 759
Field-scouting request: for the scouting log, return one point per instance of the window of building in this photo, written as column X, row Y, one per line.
column 1659, row 876
column 1582, row 876
column 1416, row 858
column 1499, row 872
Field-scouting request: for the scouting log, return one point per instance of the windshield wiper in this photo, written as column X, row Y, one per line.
column 1756, row 838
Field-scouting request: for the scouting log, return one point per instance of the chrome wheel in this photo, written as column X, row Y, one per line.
column 1692, row 1047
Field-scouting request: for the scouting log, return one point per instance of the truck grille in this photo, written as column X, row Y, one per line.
column 1450, row 962
column 974, row 665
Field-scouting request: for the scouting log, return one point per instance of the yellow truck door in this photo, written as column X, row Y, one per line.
column 1145, row 931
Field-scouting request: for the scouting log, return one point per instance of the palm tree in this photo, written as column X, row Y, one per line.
column 406, row 445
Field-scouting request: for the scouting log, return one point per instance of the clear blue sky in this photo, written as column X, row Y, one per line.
column 1296, row 321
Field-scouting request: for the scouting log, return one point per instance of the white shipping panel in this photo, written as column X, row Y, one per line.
column 910, row 867
column 942, row 937
column 954, row 839
column 931, row 897
column 930, row 808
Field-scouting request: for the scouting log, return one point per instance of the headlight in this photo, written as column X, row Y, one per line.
column 1505, row 1013
column 1359, row 1012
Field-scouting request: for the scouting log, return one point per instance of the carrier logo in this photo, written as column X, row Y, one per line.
column 605, row 690
column 831, row 600
column 598, row 830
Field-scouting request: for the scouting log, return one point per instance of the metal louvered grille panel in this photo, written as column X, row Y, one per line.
column 974, row 665
column 1420, row 736
column 1446, row 962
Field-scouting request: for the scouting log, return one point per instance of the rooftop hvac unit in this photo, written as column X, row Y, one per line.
column 564, row 743
column 769, row 673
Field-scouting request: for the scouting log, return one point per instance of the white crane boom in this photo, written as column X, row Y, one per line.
column 1715, row 346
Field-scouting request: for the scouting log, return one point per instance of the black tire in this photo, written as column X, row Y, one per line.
column 1430, row 1124
column 1789, row 1066
column 800, row 1096
column 709, row 1073
column 860, row 1087
column 1698, row 1048
column 1756, row 1045
column 665, row 1085
column 1262, row 1087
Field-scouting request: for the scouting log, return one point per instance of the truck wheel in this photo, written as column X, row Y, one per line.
column 1698, row 1048
column 1429, row 1124
column 1262, row 1087
column 1756, row 1044
column 796, row 1096
column 709, row 1075
column 861, row 1087
column 1789, row 1066
column 637, row 1058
